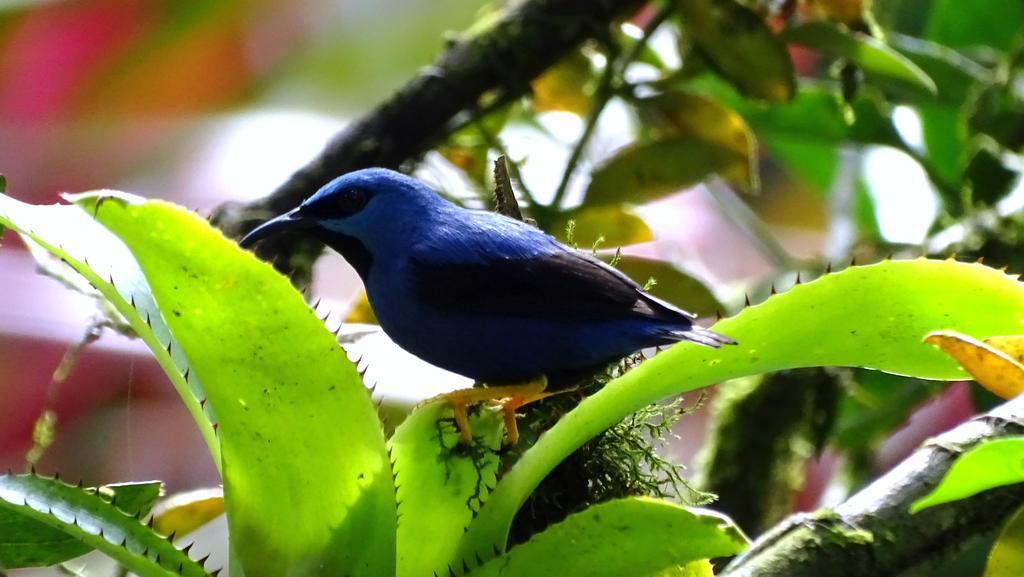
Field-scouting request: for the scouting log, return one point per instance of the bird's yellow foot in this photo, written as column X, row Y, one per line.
column 507, row 397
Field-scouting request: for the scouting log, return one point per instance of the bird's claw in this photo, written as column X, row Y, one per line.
column 507, row 397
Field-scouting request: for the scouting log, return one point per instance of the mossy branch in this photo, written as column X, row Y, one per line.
column 496, row 63
column 873, row 533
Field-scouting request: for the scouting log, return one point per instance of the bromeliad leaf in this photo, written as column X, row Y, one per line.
column 34, row 508
column 440, row 485
column 736, row 40
column 284, row 392
column 826, row 326
column 637, row 536
column 26, row 542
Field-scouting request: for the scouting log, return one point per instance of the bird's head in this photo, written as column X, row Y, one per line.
column 367, row 205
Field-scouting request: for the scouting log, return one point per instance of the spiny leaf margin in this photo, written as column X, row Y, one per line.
column 85, row 515
column 872, row 316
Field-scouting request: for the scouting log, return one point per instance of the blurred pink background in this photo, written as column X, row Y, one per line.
column 202, row 102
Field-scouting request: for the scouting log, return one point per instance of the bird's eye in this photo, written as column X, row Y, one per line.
column 351, row 201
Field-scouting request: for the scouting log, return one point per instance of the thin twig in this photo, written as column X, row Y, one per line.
column 613, row 73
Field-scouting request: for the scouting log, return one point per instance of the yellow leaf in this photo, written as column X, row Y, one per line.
column 1007, row 556
column 849, row 12
column 361, row 311
column 992, row 368
column 741, row 47
column 687, row 114
column 561, row 87
column 186, row 512
column 615, row 225
column 1012, row 345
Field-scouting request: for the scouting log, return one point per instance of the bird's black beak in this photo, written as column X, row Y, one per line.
column 289, row 221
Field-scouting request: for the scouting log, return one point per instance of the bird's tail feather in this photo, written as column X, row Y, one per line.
column 700, row 335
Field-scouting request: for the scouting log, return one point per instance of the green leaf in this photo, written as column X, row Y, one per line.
column 294, row 418
column 637, row 536
column 827, row 324
column 945, row 140
column 26, row 542
column 1007, row 556
column 881, row 64
column 441, row 484
column 671, row 284
column 52, row 509
column 109, row 272
column 742, row 48
column 990, row 180
column 612, row 225
column 648, row 171
column 689, row 114
column 998, row 111
column 959, row 24
column 136, row 498
column 986, row 466
column 953, row 73
column 816, row 114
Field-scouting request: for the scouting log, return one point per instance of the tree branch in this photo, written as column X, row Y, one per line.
column 498, row 62
column 873, row 534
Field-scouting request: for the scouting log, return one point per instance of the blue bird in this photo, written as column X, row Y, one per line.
column 478, row 293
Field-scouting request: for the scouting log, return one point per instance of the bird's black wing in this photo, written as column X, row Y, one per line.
column 563, row 285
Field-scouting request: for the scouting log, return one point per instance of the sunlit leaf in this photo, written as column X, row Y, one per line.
column 739, row 44
column 689, row 114
column 993, row 463
column 440, row 484
column 613, row 225
column 647, row 171
column 284, row 392
column 637, row 536
column 881, row 64
column 1006, row 559
column 993, row 369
